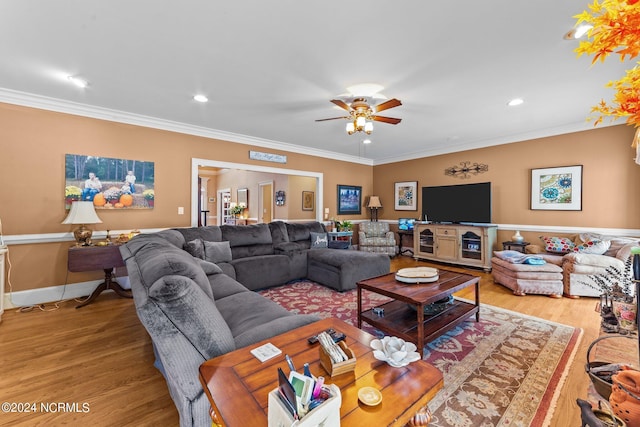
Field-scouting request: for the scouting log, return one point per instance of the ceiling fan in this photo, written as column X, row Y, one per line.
column 362, row 115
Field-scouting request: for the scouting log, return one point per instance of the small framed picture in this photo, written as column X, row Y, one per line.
column 558, row 189
column 406, row 196
column 308, row 199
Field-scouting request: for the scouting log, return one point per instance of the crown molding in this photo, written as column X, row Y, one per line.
column 78, row 109
column 483, row 143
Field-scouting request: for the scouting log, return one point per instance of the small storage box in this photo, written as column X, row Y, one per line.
column 334, row 369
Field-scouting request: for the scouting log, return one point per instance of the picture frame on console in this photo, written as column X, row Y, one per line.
column 349, row 199
column 557, row 188
column 406, row 196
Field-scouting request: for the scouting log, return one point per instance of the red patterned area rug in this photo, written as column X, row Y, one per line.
column 506, row 370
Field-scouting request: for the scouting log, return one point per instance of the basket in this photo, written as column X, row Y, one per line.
column 602, row 387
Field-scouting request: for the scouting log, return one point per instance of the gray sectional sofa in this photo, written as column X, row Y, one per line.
column 192, row 288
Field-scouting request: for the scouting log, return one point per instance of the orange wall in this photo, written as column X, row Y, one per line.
column 611, row 180
column 34, row 143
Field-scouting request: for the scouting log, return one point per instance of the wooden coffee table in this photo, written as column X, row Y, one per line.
column 238, row 385
column 404, row 316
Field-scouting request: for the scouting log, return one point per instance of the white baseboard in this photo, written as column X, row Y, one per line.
column 49, row 294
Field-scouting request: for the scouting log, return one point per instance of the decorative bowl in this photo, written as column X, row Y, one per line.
column 395, row 351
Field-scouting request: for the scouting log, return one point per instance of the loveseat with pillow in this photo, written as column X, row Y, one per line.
column 582, row 255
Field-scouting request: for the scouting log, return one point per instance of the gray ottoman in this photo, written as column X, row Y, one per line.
column 340, row 269
column 522, row 279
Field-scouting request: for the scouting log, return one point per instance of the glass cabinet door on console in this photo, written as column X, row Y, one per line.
column 471, row 245
column 426, row 241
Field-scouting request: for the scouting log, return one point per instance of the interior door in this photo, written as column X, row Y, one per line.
column 266, row 202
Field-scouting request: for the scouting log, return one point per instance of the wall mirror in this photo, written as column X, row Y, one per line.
column 243, row 197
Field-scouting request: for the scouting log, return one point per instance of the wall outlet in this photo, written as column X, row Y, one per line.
column 180, row 210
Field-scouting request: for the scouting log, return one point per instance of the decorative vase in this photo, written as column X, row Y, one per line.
column 625, row 399
column 626, row 314
column 517, row 237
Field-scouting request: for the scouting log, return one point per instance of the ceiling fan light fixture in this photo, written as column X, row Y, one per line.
column 368, row 128
column 360, row 122
column 351, row 128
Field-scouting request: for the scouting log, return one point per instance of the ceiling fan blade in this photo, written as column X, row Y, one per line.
column 390, row 120
column 340, row 103
column 332, row 118
column 387, row 104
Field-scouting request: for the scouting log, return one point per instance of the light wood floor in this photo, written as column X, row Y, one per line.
column 101, row 356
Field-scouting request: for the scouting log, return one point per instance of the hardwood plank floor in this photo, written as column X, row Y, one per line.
column 98, row 360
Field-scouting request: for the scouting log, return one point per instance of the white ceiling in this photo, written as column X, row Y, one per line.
column 270, row 68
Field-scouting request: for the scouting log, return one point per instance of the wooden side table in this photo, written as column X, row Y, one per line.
column 92, row 258
column 401, row 234
column 340, row 235
column 514, row 246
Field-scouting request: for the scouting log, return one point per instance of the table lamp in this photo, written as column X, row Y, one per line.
column 82, row 213
column 374, row 205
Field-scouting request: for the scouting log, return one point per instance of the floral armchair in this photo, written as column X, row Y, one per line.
column 376, row 237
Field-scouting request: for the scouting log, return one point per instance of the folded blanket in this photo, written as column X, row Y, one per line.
column 516, row 257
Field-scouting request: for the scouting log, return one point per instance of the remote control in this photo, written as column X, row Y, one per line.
column 336, row 336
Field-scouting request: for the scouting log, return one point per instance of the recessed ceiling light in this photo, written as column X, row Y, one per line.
column 578, row 32
column 514, row 102
column 200, row 98
column 366, row 141
column 81, row 83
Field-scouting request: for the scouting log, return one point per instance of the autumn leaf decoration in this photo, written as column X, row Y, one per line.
column 616, row 29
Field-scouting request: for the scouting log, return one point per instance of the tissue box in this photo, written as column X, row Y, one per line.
column 325, row 415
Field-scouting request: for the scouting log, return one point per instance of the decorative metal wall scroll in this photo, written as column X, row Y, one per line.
column 466, row 170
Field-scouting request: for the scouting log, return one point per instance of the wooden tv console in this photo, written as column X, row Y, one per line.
column 470, row 245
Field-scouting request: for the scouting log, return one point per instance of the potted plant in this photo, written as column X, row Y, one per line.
column 617, row 303
column 346, row 226
column 149, row 195
column 236, row 210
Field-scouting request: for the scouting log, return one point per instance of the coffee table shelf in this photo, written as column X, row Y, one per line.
column 401, row 320
column 410, row 323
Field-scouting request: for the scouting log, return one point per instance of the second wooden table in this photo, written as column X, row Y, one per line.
column 404, row 316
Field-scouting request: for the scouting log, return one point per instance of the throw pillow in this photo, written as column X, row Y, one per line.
column 319, row 240
column 596, row 247
column 195, row 248
column 209, row 267
column 217, row 251
column 558, row 245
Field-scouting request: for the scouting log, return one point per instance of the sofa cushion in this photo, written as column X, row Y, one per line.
column 278, row 232
column 195, row 315
column 217, row 252
column 560, row 245
column 222, row 286
column 209, row 268
column 319, row 240
column 302, row 231
column 248, row 240
column 156, row 260
column 195, row 248
column 597, row 247
column 247, row 310
column 210, row 233
column 263, row 271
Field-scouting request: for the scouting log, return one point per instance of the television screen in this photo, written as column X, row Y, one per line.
column 406, row 224
column 457, row 203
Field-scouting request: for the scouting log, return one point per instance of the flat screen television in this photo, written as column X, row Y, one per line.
column 406, row 224
column 457, row 203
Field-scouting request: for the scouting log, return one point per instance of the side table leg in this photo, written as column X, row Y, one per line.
column 107, row 284
column 359, row 307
